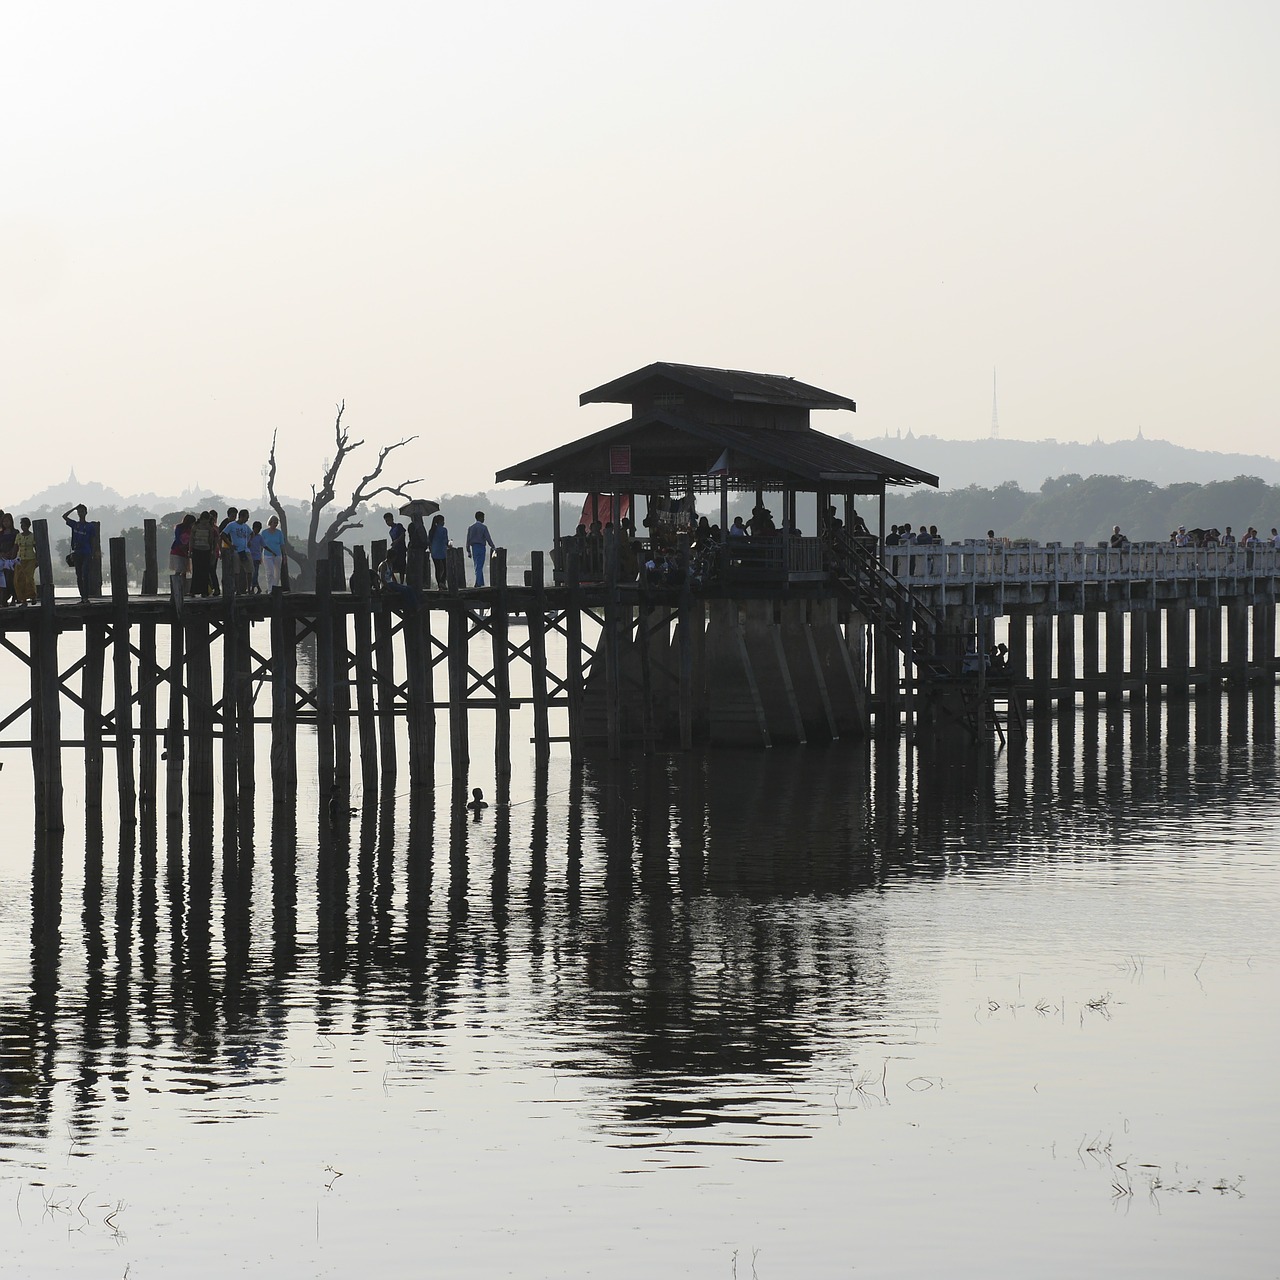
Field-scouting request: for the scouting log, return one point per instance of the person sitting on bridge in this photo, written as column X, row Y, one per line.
column 402, row 595
column 998, row 660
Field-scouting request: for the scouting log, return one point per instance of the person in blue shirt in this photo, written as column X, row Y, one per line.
column 81, row 546
column 479, row 543
column 438, row 539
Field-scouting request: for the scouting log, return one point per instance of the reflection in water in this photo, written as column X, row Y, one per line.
column 670, row 920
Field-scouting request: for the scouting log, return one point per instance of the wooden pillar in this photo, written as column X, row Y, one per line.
column 1115, row 651
column 1263, row 647
column 420, row 711
column 122, row 680
column 1238, row 639
column 199, row 712
column 284, row 701
column 1042, row 661
column 342, row 667
column 458, row 624
column 1178, row 645
column 1154, row 627
column 1205, row 617
column 95, row 654
column 612, row 655
column 498, row 623
column 537, row 619
column 1137, row 656
column 243, row 693
column 47, row 706
column 362, row 627
column 684, row 633
column 324, row 681
column 1018, row 646
column 176, row 731
column 148, row 684
column 1066, row 659
column 1089, row 651
column 573, row 653
column 385, row 664
column 231, row 592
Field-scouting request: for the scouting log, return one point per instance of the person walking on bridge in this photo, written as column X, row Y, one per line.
column 478, row 540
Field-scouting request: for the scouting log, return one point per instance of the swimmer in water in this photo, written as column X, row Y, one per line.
column 478, row 804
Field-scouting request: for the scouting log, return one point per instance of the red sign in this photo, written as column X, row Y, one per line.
column 620, row 460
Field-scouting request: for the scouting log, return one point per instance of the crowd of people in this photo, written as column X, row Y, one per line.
column 17, row 561
column 230, row 555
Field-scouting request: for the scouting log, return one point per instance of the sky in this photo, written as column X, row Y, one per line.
column 217, row 222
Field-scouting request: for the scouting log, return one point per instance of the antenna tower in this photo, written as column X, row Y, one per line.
column 995, row 417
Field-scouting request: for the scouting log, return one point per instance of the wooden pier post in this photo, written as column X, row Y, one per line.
column 341, row 672
column 1263, row 647
column 122, row 680
column 1089, row 652
column 284, row 701
column 420, row 709
column 1153, row 626
column 1115, row 672
column 498, row 627
column 46, row 700
column 148, row 683
column 1238, row 639
column 230, row 662
column 243, row 693
column 458, row 661
column 175, row 736
column 684, row 638
column 1042, row 662
column 1066, row 654
column 612, row 642
column 537, row 620
column 362, row 628
column 1137, row 656
column 384, row 658
column 1018, row 647
column 1178, row 645
column 199, row 712
column 95, row 654
column 573, row 653
column 324, row 681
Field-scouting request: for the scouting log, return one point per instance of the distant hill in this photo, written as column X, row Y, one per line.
column 1028, row 463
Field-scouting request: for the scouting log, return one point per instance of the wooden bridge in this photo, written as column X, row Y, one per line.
column 781, row 641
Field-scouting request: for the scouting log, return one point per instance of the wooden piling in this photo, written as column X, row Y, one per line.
column 341, row 673
column 420, row 697
column 230, row 661
column 91, row 685
column 1137, row 656
column 612, row 645
column 47, row 706
column 573, row 653
column 537, row 620
column 122, row 680
column 362, row 627
column 1089, row 651
column 199, row 711
column 284, row 695
column 1178, row 645
column 175, row 730
column 498, row 628
column 1066, row 654
column 1042, row 661
column 324, row 681
column 1153, row 626
column 1238, row 639
column 1115, row 651
column 148, row 683
column 458, row 623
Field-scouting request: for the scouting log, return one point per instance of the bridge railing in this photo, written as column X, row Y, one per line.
column 980, row 562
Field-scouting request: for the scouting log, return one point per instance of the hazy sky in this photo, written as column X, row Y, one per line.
column 219, row 220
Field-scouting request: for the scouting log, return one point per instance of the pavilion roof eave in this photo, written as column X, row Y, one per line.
column 770, row 458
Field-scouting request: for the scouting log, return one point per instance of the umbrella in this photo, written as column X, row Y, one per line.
column 420, row 507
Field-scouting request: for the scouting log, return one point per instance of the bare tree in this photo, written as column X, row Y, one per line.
column 323, row 497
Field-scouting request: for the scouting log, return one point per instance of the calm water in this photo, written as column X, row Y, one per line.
column 849, row 1011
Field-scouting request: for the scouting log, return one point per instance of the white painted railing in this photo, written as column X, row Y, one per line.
column 980, row 562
